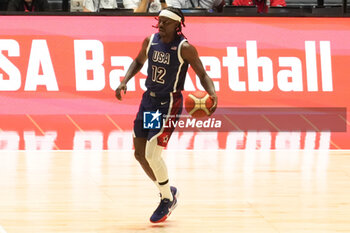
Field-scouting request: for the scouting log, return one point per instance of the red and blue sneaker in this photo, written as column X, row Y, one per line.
column 165, row 207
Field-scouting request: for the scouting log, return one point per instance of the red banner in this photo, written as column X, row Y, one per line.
column 58, row 75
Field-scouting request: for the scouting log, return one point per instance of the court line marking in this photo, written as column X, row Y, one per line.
column 335, row 145
column 36, row 124
column 236, row 126
column 270, row 122
column 40, row 129
column 347, row 122
column 268, row 221
column 74, row 123
column 316, row 129
column 114, row 123
column 232, row 123
column 2, row 230
column 309, row 122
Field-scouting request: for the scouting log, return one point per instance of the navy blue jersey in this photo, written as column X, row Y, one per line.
column 166, row 68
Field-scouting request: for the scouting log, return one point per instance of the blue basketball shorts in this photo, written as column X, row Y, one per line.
column 157, row 115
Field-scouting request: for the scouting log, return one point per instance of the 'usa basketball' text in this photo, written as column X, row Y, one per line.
column 310, row 69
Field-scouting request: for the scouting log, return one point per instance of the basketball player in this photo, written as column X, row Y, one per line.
column 169, row 55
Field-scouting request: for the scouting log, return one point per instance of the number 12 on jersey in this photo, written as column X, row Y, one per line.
column 158, row 73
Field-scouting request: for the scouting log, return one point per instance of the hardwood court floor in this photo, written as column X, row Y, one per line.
column 221, row 191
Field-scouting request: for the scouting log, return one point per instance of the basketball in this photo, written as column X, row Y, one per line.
column 198, row 103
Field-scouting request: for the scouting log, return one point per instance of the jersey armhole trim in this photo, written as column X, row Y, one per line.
column 149, row 43
column 179, row 51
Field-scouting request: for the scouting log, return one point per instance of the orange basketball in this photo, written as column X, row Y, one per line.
column 198, row 103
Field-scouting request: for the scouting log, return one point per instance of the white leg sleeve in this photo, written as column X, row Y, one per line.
column 156, row 162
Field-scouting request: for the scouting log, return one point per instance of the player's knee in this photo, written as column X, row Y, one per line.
column 153, row 152
column 149, row 157
column 140, row 156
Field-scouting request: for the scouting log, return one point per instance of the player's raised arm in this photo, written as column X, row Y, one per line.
column 135, row 67
column 190, row 54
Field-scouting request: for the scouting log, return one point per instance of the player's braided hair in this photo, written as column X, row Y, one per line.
column 179, row 13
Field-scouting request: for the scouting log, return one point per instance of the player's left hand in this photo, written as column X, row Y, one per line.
column 215, row 104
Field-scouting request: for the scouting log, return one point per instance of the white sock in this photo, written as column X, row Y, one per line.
column 165, row 191
column 156, row 183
